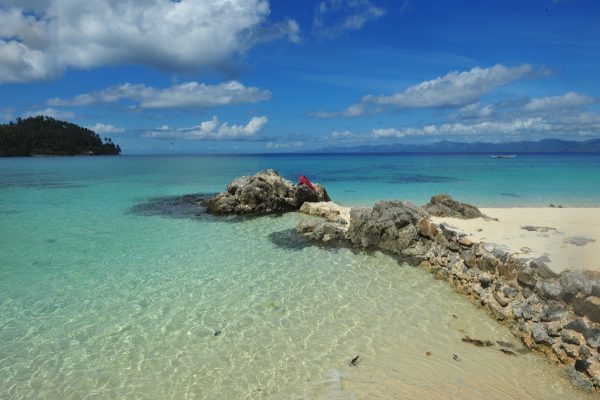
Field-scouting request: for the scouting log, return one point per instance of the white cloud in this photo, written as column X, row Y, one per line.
column 487, row 128
column 211, row 129
column 334, row 17
column 568, row 100
column 473, row 111
column 190, row 94
column 180, row 36
column 101, row 128
column 50, row 112
column 454, row 89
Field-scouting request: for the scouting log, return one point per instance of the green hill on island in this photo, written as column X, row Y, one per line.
column 45, row 136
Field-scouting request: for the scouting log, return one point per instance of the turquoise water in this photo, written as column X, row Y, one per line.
column 106, row 293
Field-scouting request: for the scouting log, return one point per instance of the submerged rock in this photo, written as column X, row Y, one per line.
column 442, row 205
column 264, row 193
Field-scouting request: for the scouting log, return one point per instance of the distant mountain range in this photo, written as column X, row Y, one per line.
column 542, row 146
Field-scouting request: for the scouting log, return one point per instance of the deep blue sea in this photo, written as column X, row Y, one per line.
column 110, row 288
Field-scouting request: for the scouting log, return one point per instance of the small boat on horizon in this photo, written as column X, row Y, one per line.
column 503, row 155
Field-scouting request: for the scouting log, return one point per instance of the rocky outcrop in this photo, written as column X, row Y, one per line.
column 264, row 193
column 389, row 226
column 442, row 205
column 558, row 314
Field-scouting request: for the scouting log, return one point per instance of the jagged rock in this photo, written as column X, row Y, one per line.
column 529, row 312
column 553, row 328
column 442, row 205
column 509, row 291
column 578, row 282
column 389, row 226
column 540, row 335
column 507, row 270
column 579, row 379
column 592, row 337
column 571, row 349
column 572, row 337
column 553, row 311
column 588, row 307
column 322, row 231
column 560, row 353
column 427, row 229
column 539, row 266
column 527, row 278
column 500, row 299
column 264, row 193
column 549, row 289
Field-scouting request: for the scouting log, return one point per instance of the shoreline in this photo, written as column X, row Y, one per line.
column 547, row 305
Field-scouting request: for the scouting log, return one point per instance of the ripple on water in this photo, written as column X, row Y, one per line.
column 140, row 322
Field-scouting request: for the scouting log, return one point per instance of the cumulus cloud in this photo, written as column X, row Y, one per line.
column 189, row 94
column 454, row 89
column 334, row 17
column 101, row 128
column 212, row 129
column 42, row 39
column 568, row 100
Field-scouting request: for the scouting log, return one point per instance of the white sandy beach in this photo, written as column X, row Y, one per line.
column 569, row 237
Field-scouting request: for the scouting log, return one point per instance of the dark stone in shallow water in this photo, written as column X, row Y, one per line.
column 186, row 206
column 288, row 239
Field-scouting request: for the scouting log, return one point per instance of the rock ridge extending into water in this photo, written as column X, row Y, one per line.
column 558, row 314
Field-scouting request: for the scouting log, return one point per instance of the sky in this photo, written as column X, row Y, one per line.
column 236, row 76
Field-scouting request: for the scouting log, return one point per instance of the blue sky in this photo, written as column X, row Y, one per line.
column 164, row 76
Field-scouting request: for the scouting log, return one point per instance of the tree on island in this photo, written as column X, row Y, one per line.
column 47, row 136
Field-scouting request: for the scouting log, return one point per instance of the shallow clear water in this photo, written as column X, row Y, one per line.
column 102, row 298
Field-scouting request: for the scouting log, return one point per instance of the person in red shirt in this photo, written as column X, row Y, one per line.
column 302, row 180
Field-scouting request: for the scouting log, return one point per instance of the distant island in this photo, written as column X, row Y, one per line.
column 45, row 136
column 542, row 146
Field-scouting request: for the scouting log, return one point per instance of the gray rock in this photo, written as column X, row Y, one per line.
column 322, row 231
column 549, row 289
column 540, row 335
column 560, row 353
column 578, row 282
column 552, row 311
column 527, row 278
column 389, row 226
column 571, row 349
column 485, row 280
column 542, row 269
column 580, row 380
column 498, row 311
column 571, row 337
column 509, row 291
column 592, row 337
column 443, row 205
column 529, row 312
column 588, row 307
column 264, row 193
column 517, row 308
column 577, row 325
column 553, row 329
column 500, row 299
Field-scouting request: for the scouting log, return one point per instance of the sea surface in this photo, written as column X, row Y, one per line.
column 113, row 286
